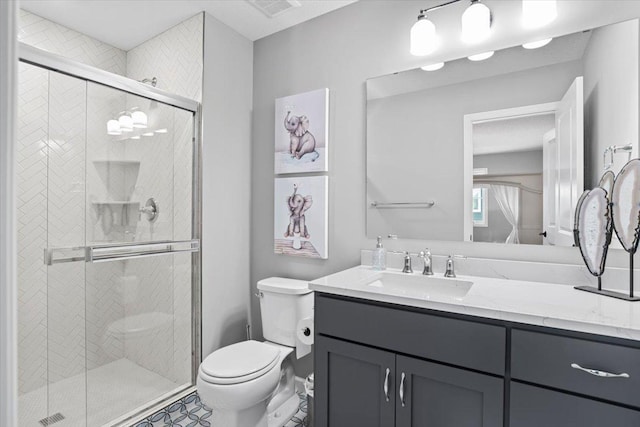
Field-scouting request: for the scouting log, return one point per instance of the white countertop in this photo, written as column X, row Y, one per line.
column 543, row 304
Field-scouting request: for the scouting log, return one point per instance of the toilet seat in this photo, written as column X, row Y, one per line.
column 239, row 363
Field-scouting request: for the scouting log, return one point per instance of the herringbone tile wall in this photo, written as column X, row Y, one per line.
column 56, row 38
column 174, row 57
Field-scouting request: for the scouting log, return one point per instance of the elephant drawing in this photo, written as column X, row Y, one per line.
column 301, row 141
column 298, row 205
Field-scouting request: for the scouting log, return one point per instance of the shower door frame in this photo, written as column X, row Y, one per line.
column 53, row 62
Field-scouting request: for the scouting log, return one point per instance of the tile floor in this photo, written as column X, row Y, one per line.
column 191, row 412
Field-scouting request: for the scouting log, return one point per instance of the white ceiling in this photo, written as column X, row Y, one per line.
column 511, row 135
column 127, row 23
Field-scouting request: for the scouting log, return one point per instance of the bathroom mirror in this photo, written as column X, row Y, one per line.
column 500, row 150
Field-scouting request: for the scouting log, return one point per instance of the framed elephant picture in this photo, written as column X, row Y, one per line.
column 301, row 133
column 300, row 216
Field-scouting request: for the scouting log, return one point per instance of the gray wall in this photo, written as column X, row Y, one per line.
column 341, row 50
column 611, row 95
column 415, row 146
column 226, row 161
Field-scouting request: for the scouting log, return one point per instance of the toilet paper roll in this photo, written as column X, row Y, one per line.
column 304, row 337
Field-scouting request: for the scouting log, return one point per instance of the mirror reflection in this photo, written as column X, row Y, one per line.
column 501, row 150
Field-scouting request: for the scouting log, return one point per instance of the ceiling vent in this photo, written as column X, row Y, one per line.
column 273, row 8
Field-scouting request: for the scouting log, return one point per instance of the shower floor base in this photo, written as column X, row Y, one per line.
column 102, row 395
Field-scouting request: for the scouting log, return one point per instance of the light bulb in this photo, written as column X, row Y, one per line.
column 113, row 128
column 423, row 37
column 538, row 13
column 433, row 67
column 126, row 123
column 476, row 23
column 139, row 119
column 481, row 56
column 537, row 44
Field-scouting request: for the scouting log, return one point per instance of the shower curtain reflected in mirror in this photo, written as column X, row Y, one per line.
column 101, row 339
column 508, row 198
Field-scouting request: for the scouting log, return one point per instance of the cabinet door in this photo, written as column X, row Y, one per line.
column 350, row 385
column 536, row 407
column 440, row 396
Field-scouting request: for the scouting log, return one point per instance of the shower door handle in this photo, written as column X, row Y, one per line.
column 118, row 252
column 103, row 253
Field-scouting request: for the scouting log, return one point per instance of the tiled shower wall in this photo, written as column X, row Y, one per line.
column 52, row 309
column 175, row 57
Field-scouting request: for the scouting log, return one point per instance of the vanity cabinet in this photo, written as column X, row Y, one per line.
column 363, row 386
column 390, row 375
column 380, row 364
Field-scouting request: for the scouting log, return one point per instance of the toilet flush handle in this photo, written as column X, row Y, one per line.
column 259, row 294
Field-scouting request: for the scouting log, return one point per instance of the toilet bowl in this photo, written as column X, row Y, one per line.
column 252, row 383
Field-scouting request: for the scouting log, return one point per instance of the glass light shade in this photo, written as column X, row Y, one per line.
column 476, row 23
column 481, row 56
column 126, row 123
column 433, row 67
column 537, row 44
column 113, row 128
column 538, row 13
column 139, row 119
column 423, row 37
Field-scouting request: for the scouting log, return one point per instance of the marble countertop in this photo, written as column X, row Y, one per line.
column 543, row 304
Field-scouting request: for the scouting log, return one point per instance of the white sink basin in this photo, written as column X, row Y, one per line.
column 419, row 286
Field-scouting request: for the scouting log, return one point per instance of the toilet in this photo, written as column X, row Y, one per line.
column 252, row 383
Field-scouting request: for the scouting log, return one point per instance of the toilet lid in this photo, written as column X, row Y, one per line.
column 239, row 362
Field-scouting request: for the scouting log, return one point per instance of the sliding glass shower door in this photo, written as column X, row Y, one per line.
column 107, row 191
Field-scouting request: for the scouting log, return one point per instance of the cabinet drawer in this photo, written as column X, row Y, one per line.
column 458, row 342
column 536, row 407
column 546, row 359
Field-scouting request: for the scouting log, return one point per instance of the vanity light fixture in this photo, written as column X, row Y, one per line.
column 476, row 22
column 424, row 39
column 126, row 123
column 433, row 67
column 113, row 128
column 537, row 44
column 139, row 119
column 538, row 13
column 481, row 56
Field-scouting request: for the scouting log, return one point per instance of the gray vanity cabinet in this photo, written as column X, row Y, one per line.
column 362, row 386
column 441, row 396
column 350, row 386
column 375, row 381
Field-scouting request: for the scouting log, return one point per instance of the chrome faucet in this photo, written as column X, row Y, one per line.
column 407, row 263
column 428, row 263
column 450, row 271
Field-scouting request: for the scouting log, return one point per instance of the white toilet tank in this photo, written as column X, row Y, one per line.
column 283, row 302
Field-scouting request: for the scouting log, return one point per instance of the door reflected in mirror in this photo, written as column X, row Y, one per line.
column 504, row 147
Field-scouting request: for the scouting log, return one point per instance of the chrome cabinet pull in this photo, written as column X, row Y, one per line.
column 598, row 373
column 386, row 385
column 402, row 389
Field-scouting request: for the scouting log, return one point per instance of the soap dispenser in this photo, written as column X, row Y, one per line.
column 379, row 258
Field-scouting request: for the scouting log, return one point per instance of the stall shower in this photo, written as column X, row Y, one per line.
column 108, row 242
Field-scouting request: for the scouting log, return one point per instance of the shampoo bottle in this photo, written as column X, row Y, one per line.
column 379, row 258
